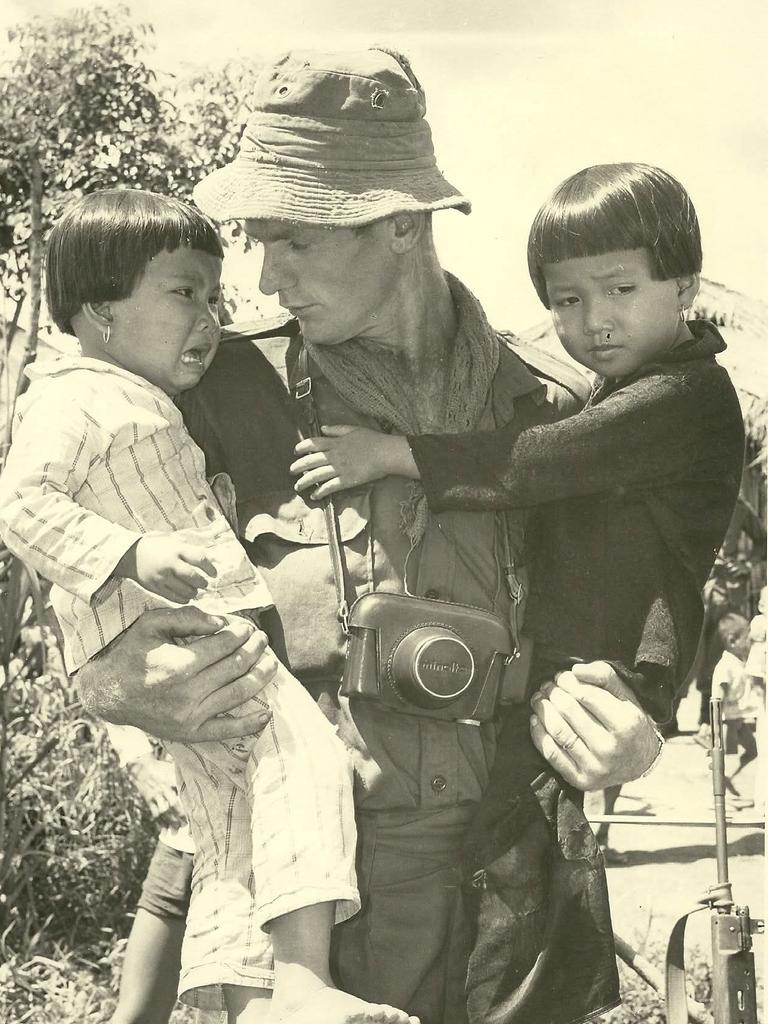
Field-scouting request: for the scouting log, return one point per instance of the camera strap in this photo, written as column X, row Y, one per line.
column 300, row 383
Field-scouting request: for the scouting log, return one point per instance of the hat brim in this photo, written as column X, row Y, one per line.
column 248, row 190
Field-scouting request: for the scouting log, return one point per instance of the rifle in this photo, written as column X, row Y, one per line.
column 733, row 962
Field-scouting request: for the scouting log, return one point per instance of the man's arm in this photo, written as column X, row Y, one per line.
column 175, row 671
column 591, row 729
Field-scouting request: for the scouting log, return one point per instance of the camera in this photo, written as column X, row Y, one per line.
column 426, row 657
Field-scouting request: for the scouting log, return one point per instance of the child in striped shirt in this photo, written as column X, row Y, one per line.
column 104, row 493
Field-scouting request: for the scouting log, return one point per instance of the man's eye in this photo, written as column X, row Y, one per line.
column 214, row 301
column 186, row 292
column 295, row 246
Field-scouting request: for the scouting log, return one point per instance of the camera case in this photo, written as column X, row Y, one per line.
column 426, row 657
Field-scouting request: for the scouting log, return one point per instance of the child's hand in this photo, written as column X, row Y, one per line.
column 168, row 566
column 346, row 457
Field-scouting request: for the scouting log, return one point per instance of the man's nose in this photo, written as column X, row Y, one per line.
column 274, row 272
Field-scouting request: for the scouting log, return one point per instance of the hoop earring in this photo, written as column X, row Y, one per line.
column 105, row 334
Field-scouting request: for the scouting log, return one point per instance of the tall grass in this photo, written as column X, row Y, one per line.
column 75, row 838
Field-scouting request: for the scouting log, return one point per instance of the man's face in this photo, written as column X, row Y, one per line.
column 609, row 312
column 340, row 283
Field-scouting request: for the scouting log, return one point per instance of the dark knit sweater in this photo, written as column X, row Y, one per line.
column 633, row 496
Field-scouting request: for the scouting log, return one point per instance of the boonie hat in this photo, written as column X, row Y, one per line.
column 335, row 139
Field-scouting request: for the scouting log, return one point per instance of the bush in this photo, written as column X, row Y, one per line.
column 75, row 838
column 640, row 1002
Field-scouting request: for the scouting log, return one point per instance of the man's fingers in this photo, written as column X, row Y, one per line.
column 315, row 477
column 242, row 675
column 308, row 449
column 332, row 486
column 171, row 624
column 555, row 755
column 601, row 675
column 573, row 761
column 566, row 700
column 228, row 728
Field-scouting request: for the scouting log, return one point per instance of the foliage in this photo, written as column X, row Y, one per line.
column 640, row 1002
column 81, row 109
column 74, row 835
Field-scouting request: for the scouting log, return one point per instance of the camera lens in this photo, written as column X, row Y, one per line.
column 431, row 667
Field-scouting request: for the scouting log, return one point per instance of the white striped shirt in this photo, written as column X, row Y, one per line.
column 100, row 457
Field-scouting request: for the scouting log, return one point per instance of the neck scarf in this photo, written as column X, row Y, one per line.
column 373, row 383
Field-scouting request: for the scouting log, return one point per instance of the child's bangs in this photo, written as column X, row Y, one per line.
column 589, row 229
column 157, row 229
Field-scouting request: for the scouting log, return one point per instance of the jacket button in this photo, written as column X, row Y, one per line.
column 438, row 783
column 432, row 594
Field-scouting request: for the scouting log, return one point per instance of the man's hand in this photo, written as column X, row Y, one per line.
column 176, row 691
column 347, row 457
column 168, row 565
column 591, row 729
column 156, row 782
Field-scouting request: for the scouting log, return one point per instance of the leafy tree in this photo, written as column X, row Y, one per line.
column 80, row 109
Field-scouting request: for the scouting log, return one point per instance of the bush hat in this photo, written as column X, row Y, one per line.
column 334, row 139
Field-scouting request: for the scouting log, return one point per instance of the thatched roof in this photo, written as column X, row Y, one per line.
column 743, row 322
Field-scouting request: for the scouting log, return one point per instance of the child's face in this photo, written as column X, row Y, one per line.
column 738, row 644
column 610, row 314
column 167, row 330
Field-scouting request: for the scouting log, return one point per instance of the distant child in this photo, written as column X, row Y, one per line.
column 758, row 627
column 742, row 701
column 632, row 496
column 105, row 494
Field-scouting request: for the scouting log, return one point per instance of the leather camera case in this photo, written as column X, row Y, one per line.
column 426, row 657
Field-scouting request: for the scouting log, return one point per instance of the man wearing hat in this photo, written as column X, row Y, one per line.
column 336, row 179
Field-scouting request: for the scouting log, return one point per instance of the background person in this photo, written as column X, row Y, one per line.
column 742, row 704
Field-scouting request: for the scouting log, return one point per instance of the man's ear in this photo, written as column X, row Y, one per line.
column 688, row 289
column 407, row 229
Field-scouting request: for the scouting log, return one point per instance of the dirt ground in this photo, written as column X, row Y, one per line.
column 668, row 868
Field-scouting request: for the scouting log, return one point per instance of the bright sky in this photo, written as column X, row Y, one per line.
column 522, row 93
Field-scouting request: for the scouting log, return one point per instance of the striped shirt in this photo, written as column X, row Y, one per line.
column 100, row 457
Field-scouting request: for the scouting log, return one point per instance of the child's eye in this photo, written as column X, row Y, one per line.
column 621, row 289
column 295, row 246
column 186, row 292
column 566, row 300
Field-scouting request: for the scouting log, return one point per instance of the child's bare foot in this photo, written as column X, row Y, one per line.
column 331, row 1006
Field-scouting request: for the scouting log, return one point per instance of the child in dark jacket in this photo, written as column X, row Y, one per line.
column 630, row 500
column 632, row 495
